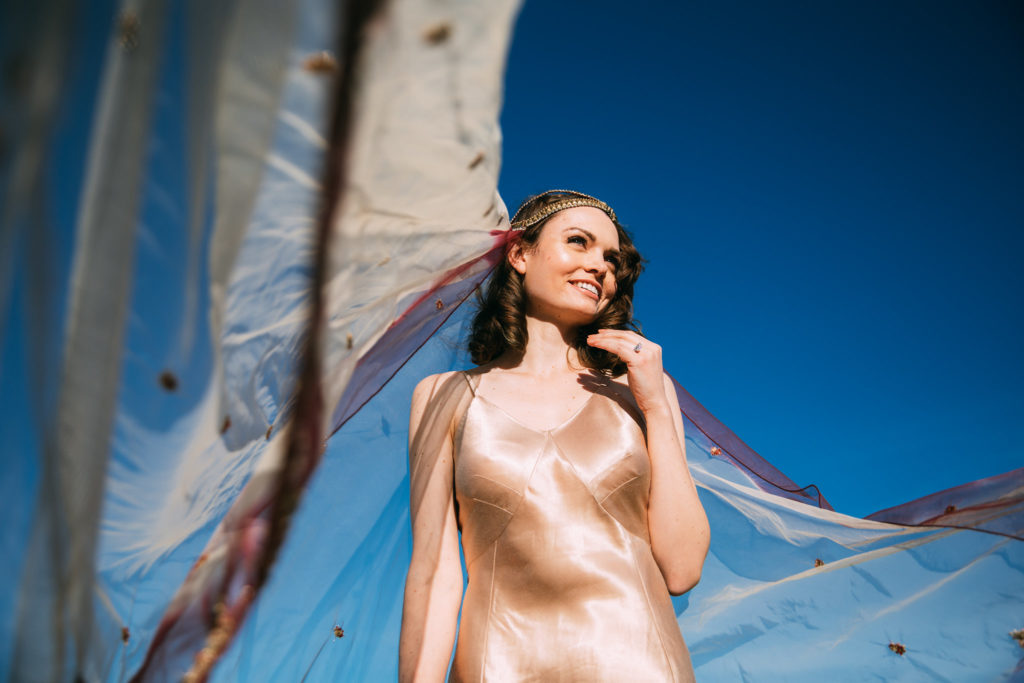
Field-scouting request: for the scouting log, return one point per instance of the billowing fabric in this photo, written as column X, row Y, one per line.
column 156, row 240
column 562, row 583
column 175, row 301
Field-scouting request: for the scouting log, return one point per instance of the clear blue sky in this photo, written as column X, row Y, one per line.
column 831, row 198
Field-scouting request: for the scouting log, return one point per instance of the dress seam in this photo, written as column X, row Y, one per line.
column 522, row 494
column 572, row 466
column 497, row 483
column 490, row 612
column 650, row 609
column 493, row 505
column 610, row 493
column 497, row 538
column 600, row 504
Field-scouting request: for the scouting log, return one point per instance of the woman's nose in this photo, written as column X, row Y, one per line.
column 596, row 264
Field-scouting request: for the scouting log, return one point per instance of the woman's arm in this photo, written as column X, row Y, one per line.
column 678, row 525
column 433, row 587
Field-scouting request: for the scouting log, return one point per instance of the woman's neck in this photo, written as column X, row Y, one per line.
column 549, row 350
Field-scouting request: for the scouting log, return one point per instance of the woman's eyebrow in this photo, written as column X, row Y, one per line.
column 590, row 236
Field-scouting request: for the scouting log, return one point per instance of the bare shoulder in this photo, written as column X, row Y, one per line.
column 427, row 388
column 429, row 384
column 423, row 398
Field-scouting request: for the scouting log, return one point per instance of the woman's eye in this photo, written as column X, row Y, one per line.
column 577, row 239
column 613, row 261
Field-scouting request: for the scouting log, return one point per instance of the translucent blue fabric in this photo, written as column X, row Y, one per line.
column 158, row 230
column 763, row 610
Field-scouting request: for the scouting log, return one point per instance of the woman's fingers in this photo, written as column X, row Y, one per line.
column 643, row 361
column 629, row 346
column 619, row 347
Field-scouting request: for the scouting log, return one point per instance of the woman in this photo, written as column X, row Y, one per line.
column 561, row 460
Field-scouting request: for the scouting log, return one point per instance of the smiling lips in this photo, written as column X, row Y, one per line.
column 588, row 287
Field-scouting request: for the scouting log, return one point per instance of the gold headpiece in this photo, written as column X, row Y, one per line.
column 571, row 201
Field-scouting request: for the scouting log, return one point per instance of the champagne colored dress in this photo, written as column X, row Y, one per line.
column 562, row 582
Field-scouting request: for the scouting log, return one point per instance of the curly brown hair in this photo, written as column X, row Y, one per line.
column 500, row 321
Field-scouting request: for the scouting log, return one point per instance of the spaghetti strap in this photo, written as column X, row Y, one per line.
column 472, row 387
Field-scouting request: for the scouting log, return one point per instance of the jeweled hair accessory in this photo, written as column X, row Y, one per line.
column 572, row 200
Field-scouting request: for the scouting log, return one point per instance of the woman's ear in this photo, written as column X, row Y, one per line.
column 517, row 257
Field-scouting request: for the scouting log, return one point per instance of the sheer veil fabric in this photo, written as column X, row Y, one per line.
column 158, row 223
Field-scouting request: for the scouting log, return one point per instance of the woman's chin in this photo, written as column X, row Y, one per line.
column 574, row 314
column 581, row 317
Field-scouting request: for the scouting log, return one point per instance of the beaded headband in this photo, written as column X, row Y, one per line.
column 572, row 200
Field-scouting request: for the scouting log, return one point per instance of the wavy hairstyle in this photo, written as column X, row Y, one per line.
column 500, row 321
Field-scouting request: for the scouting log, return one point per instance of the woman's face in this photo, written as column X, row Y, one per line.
column 569, row 273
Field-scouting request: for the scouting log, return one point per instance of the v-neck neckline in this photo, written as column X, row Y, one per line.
column 576, row 413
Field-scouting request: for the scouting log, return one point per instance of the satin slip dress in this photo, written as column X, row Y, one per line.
column 562, row 582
